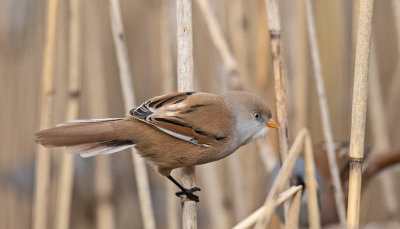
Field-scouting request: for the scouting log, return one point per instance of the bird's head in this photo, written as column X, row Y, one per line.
column 251, row 116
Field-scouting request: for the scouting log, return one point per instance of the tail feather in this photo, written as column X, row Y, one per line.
column 93, row 149
column 87, row 137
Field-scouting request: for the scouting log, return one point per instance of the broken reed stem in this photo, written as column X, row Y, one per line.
column 40, row 205
column 377, row 115
column 283, row 196
column 129, row 101
column 359, row 108
column 302, row 139
column 66, row 178
column 326, row 123
column 185, row 83
column 221, row 44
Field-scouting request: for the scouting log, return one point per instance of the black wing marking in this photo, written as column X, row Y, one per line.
column 147, row 108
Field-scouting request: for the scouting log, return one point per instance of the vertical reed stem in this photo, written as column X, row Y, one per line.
column 129, row 101
column 326, row 124
column 279, row 76
column 67, row 167
column 185, row 83
column 359, row 111
column 274, row 26
column 46, row 103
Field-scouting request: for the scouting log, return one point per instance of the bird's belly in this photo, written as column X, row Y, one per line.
column 173, row 155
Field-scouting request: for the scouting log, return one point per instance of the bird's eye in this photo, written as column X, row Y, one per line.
column 256, row 115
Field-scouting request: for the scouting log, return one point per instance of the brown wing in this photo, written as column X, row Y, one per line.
column 198, row 118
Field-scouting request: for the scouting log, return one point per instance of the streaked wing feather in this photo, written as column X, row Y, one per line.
column 163, row 113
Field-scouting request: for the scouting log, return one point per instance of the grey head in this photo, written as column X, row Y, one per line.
column 251, row 116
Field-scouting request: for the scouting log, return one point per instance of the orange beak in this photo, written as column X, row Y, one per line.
column 271, row 123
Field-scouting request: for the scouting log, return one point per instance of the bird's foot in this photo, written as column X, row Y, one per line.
column 189, row 193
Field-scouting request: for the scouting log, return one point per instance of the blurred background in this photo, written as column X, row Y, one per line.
column 150, row 34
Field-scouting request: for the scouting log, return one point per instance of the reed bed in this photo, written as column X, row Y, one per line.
column 97, row 61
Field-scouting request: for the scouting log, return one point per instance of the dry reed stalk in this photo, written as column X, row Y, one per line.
column 221, row 45
column 294, row 211
column 167, row 87
column 46, row 106
column 284, row 175
column 326, row 123
column 129, row 102
column 185, row 83
column 252, row 218
column 359, row 107
column 379, row 128
column 274, row 26
column 63, row 205
column 279, row 76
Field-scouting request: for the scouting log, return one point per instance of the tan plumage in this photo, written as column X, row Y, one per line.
column 170, row 131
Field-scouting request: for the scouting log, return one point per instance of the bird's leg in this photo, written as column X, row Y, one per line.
column 185, row 191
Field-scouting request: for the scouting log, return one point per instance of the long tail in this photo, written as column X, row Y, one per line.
column 88, row 137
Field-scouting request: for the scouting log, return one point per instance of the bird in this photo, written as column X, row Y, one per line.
column 171, row 131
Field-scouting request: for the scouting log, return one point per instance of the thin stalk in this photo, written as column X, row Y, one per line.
column 40, row 205
column 279, row 76
column 274, row 26
column 359, row 109
column 185, row 83
column 326, row 123
column 63, row 205
column 129, row 101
